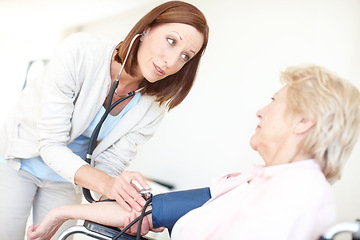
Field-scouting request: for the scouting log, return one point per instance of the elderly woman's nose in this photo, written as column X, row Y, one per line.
column 258, row 114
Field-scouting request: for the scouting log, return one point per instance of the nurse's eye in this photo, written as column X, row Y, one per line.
column 185, row 57
column 171, row 41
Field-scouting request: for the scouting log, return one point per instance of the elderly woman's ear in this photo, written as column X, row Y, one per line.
column 304, row 125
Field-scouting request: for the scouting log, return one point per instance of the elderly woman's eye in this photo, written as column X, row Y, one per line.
column 171, row 41
column 185, row 57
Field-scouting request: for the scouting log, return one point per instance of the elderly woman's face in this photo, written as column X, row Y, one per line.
column 274, row 129
column 165, row 49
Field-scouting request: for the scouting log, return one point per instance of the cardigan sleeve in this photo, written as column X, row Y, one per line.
column 57, row 106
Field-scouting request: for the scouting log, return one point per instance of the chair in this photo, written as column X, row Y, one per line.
column 345, row 227
column 96, row 231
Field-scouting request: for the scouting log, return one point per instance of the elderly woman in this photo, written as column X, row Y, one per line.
column 304, row 136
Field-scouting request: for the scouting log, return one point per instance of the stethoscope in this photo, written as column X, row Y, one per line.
column 86, row 192
column 109, row 107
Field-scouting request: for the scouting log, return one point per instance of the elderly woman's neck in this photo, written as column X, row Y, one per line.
column 284, row 156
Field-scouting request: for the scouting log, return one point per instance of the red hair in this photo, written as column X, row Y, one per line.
column 174, row 88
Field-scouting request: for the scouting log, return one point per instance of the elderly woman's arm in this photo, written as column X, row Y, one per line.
column 167, row 208
column 106, row 213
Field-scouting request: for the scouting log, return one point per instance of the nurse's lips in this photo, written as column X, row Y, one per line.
column 158, row 70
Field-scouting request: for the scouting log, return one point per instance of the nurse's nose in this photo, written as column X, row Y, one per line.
column 172, row 60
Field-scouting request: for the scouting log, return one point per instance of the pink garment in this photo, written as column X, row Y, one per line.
column 290, row 201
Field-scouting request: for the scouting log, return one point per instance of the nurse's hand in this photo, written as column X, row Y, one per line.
column 125, row 192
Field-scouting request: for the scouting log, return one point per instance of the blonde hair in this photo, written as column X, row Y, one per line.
column 334, row 103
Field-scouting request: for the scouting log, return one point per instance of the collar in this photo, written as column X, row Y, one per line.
column 270, row 171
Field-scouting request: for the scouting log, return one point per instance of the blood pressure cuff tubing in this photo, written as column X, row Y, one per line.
column 167, row 208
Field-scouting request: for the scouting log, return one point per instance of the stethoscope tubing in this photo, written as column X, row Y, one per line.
column 109, row 107
column 96, row 131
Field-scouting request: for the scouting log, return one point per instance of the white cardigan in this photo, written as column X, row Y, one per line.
column 60, row 104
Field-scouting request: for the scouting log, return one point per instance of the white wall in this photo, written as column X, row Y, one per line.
column 250, row 43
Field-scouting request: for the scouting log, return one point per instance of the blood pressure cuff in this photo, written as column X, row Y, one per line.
column 167, row 208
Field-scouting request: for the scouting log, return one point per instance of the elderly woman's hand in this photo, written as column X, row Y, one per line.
column 47, row 227
column 146, row 225
column 125, row 192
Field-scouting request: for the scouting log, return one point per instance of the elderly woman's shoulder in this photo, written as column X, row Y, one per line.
column 305, row 180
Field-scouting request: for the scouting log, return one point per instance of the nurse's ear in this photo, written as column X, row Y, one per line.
column 304, row 125
column 145, row 32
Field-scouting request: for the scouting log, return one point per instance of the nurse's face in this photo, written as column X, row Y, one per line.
column 165, row 49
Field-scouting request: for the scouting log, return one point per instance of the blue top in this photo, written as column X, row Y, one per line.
column 79, row 146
